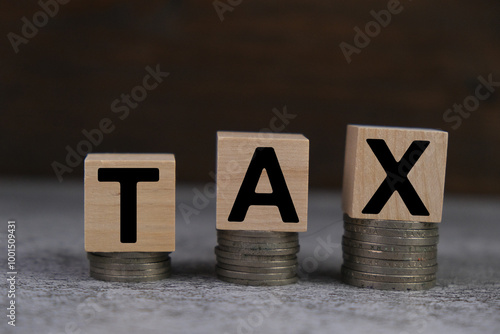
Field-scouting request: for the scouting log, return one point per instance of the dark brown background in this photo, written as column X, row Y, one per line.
column 230, row 75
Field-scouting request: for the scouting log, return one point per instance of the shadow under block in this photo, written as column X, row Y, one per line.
column 422, row 152
column 155, row 204
column 270, row 166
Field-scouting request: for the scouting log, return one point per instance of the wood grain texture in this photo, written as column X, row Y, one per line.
column 155, row 205
column 234, row 153
column 231, row 74
column 363, row 173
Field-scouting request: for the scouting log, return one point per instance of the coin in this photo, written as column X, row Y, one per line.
column 264, row 252
column 389, row 263
column 257, row 240
column 132, row 255
column 258, row 264
column 233, row 237
column 390, row 255
column 392, row 240
column 257, row 246
column 114, row 272
column 257, row 257
column 252, row 276
column 129, row 279
column 259, row 283
column 258, row 270
column 130, row 266
column 247, row 257
column 389, row 286
column 386, row 248
column 409, row 225
column 95, row 258
column 257, row 234
column 388, row 232
column 391, row 270
column 386, row 277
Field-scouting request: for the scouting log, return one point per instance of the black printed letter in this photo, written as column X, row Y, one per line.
column 397, row 177
column 128, row 178
column 264, row 158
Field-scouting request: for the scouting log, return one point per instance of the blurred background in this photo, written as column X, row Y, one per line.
column 247, row 66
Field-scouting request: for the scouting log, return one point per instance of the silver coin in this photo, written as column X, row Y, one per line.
column 253, row 276
column 351, row 243
column 129, row 279
column 388, row 232
column 390, row 270
column 95, row 258
column 390, row 255
column 392, row 240
column 247, row 257
column 257, row 246
column 386, row 277
column 256, row 234
column 263, row 252
column 258, row 264
column 132, row 255
column 389, row 286
column 259, row 283
column 258, row 239
column 130, row 266
column 389, row 263
column 114, row 272
column 407, row 225
column 257, row 270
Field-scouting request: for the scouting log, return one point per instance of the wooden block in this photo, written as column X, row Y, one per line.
column 262, row 181
column 111, row 209
column 394, row 173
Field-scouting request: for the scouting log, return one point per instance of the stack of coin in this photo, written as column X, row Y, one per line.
column 129, row 267
column 259, row 258
column 389, row 255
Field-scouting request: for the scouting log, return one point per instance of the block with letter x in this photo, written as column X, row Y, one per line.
column 394, row 173
column 130, row 203
column 262, row 181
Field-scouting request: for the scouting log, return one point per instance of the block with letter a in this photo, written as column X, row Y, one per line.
column 262, row 181
column 130, row 203
column 394, row 173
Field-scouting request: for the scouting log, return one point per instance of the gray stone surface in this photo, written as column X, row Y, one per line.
column 56, row 295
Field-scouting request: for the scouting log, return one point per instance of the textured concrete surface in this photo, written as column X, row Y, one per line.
column 56, row 295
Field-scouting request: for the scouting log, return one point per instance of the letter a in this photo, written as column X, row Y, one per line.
column 264, row 158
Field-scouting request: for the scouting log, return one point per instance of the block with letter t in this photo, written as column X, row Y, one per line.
column 393, row 173
column 130, row 203
column 262, row 181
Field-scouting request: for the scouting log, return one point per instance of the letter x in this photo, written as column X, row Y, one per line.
column 397, row 177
